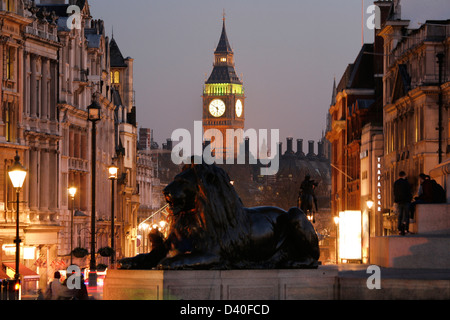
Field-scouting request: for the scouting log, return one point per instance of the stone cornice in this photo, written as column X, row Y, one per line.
column 13, row 146
column 14, row 17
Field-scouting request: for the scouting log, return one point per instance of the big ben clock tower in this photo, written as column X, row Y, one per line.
column 223, row 97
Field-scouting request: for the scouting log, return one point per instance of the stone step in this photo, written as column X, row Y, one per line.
column 412, row 251
column 432, row 219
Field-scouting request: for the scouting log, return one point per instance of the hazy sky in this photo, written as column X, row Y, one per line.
column 288, row 51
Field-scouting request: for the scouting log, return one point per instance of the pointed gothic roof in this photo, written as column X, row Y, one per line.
column 224, row 45
column 224, row 73
column 360, row 73
column 116, row 57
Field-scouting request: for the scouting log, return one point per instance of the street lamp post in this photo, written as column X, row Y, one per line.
column 113, row 175
column 72, row 193
column 17, row 174
column 94, row 112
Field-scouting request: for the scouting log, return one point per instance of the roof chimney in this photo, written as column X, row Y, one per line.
column 169, row 144
column 300, row 152
column 311, row 148
column 320, row 150
column 290, row 149
column 247, row 150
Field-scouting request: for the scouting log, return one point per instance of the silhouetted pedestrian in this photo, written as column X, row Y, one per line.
column 81, row 293
column 402, row 199
column 424, row 195
column 56, row 290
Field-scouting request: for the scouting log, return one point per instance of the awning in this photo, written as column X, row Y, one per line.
column 27, row 274
column 3, row 275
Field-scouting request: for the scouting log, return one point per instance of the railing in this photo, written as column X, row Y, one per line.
column 78, row 165
column 41, row 33
column 213, row 94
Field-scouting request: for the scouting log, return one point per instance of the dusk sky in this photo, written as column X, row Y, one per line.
column 288, row 52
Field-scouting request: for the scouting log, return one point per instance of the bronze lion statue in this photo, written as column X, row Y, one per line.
column 211, row 229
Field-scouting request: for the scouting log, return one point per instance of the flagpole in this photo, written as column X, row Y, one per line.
column 362, row 24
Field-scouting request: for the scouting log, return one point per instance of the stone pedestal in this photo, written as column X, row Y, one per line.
column 427, row 248
column 432, row 219
column 221, row 285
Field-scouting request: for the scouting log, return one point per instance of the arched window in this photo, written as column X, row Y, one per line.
column 115, row 77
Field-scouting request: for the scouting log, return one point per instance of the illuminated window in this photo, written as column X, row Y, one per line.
column 11, row 5
column 421, row 124
column 9, row 122
column 416, row 127
column 10, row 63
column 223, row 59
column 115, row 77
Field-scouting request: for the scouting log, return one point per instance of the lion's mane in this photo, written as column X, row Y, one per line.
column 219, row 218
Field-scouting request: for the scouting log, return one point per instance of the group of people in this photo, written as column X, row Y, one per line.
column 429, row 192
column 58, row 290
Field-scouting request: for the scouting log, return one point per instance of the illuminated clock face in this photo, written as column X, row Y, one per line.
column 217, row 108
column 239, row 108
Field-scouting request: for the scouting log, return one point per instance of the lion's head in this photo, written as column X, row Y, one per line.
column 206, row 212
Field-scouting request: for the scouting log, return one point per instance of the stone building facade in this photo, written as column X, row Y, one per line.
column 355, row 95
column 356, row 116
column 29, row 126
column 51, row 73
column 415, row 97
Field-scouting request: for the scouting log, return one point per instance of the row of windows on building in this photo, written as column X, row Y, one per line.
column 404, row 131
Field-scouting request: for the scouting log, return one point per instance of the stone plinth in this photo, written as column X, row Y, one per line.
column 412, row 252
column 221, row 285
column 427, row 248
column 396, row 284
column 432, row 219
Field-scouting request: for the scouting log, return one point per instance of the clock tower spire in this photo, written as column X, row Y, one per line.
column 224, row 99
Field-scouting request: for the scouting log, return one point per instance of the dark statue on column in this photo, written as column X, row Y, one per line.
column 211, row 229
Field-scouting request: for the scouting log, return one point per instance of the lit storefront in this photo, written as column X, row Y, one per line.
column 29, row 278
column 350, row 237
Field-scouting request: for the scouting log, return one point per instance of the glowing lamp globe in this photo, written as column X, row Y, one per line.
column 336, row 220
column 17, row 173
column 72, row 192
column 113, row 172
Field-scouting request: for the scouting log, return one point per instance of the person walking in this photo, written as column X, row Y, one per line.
column 402, row 199
column 56, row 290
